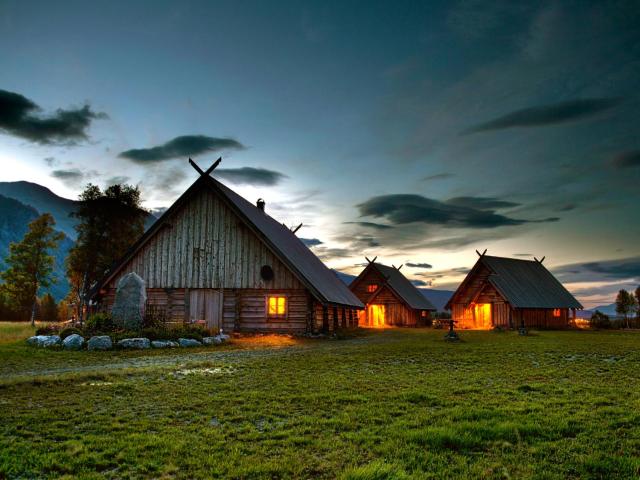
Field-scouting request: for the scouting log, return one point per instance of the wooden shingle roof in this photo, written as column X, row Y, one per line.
column 525, row 284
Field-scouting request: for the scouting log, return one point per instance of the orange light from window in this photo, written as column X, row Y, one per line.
column 424, row 313
column 372, row 287
column 556, row 312
column 277, row 306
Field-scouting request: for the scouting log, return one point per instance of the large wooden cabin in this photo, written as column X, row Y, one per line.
column 216, row 259
column 511, row 293
column 390, row 298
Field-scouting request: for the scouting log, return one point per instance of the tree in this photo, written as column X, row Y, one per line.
column 625, row 305
column 31, row 264
column 638, row 302
column 109, row 222
column 48, row 308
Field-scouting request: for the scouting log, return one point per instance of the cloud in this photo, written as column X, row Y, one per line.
column 74, row 177
column 470, row 212
column 418, row 265
column 180, row 147
column 619, row 269
column 51, row 161
column 117, row 180
column 422, row 283
column 376, row 226
column 250, row 176
column 311, row 242
column 548, row 114
column 629, row 159
column 481, row 203
column 523, row 255
column 21, row 117
column 438, row 176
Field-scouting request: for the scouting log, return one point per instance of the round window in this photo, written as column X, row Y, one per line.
column 266, row 272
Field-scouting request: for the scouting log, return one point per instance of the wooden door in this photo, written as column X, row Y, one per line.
column 205, row 308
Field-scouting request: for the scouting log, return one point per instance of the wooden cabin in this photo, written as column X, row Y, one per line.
column 511, row 293
column 215, row 259
column 390, row 299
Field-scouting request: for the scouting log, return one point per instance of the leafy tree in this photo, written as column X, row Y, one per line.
column 48, row 308
column 600, row 320
column 109, row 222
column 625, row 305
column 31, row 264
column 638, row 302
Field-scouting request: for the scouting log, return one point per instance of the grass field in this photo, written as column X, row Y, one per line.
column 384, row 404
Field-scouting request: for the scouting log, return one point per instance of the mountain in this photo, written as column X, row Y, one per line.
column 45, row 201
column 15, row 217
column 438, row 298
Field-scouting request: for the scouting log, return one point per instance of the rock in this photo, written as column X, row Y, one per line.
column 189, row 342
column 73, row 342
column 100, row 342
column 224, row 337
column 45, row 341
column 135, row 343
column 128, row 307
column 164, row 344
column 212, row 340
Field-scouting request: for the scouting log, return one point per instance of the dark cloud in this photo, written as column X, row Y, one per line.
column 566, row 208
column 21, row 117
column 74, row 177
column 311, row 242
column 620, row 269
column 422, row 283
column 481, row 203
column 376, row 226
column 470, row 212
column 250, row 176
column 438, row 176
column 548, row 114
column 418, row 265
column 523, row 255
column 628, row 159
column 181, row 147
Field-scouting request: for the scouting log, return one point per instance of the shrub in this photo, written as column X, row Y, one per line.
column 194, row 332
column 99, row 322
column 600, row 320
column 52, row 329
column 154, row 317
column 65, row 332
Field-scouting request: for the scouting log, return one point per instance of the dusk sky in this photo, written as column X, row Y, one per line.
column 417, row 132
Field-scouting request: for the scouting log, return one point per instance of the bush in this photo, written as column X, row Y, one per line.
column 600, row 320
column 100, row 322
column 65, row 332
column 194, row 332
column 52, row 329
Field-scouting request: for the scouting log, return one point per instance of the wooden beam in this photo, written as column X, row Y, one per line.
column 539, row 261
column 371, row 261
column 481, row 254
column 297, row 228
column 195, row 165
column 213, row 167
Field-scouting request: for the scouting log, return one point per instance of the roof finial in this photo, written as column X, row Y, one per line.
column 371, row 261
column 539, row 261
column 208, row 170
column 481, row 254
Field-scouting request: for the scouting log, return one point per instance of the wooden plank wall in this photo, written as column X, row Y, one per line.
column 541, row 318
column 205, row 245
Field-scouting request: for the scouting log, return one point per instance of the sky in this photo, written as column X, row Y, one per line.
column 416, row 132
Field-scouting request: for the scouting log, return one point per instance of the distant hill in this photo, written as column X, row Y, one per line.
column 21, row 202
column 45, row 201
column 438, row 298
column 15, row 217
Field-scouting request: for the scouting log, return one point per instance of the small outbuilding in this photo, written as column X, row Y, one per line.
column 511, row 293
column 390, row 298
column 215, row 259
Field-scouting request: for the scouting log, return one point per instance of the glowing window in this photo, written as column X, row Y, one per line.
column 556, row 312
column 277, row 306
column 424, row 313
column 372, row 287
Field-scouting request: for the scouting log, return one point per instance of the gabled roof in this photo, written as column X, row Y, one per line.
column 320, row 280
column 401, row 286
column 524, row 283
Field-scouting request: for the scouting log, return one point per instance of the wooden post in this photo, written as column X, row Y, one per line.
column 351, row 325
column 186, row 306
column 325, row 319
column 310, row 314
column 344, row 318
column 335, row 319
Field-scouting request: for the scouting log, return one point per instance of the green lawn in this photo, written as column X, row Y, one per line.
column 384, row 404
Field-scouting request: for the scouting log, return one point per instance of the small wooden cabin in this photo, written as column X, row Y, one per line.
column 390, row 299
column 511, row 293
column 216, row 259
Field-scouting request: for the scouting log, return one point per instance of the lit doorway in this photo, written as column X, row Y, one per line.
column 375, row 315
column 482, row 316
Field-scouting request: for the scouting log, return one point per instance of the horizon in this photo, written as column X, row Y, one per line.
column 414, row 133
